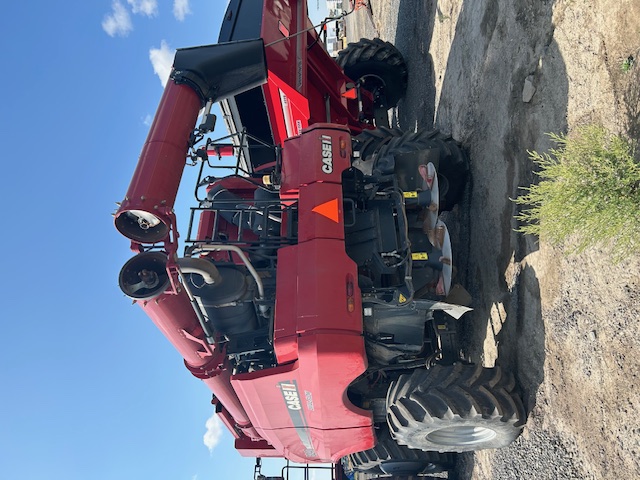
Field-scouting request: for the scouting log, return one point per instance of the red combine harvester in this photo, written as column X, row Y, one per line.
column 313, row 294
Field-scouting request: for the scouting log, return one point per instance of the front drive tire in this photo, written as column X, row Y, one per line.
column 376, row 64
column 456, row 408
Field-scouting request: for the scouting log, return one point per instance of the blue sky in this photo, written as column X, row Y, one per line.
column 90, row 389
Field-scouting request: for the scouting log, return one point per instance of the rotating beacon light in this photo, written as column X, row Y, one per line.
column 199, row 75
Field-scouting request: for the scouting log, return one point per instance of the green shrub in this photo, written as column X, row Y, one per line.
column 588, row 194
column 627, row 63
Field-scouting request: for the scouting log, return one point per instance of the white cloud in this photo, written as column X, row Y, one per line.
column 214, row 431
column 162, row 61
column 145, row 7
column 181, row 9
column 118, row 22
column 147, row 120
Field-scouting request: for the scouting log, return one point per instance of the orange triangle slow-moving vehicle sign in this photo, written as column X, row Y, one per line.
column 328, row 209
column 351, row 93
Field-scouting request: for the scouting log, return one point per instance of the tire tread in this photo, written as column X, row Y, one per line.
column 443, row 396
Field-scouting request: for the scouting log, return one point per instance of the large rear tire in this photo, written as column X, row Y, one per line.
column 443, row 151
column 456, row 408
column 376, row 64
column 369, row 141
column 387, row 457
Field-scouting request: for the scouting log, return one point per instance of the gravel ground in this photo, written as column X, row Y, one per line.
column 498, row 75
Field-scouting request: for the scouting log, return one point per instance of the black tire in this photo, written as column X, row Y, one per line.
column 387, row 457
column 376, row 64
column 446, row 154
column 370, row 141
column 456, row 408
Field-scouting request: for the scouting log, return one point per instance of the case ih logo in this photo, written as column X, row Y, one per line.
column 291, row 397
column 327, row 154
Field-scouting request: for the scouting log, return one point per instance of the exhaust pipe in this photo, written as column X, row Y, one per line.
column 199, row 75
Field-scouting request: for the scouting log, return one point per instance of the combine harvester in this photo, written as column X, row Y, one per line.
column 311, row 295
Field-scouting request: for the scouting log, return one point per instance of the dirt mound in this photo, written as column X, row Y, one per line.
column 498, row 75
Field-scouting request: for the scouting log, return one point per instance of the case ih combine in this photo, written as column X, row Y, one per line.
column 311, row 293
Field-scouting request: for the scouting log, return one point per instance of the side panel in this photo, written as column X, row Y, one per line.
column 302, row 408
column 323, row 202
column 285, row 338
column 286, row 91
column 305, row 159
column 318, row 299
column 315, row 277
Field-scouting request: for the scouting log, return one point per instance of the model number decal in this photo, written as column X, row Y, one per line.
column 327, row 154
column 309, row 397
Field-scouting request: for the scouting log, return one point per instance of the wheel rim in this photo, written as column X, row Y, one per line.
column 461, row 435
column 373, row 83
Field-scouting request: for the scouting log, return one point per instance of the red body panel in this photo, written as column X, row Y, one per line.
column 285, row 91
column 314, row 325
column 303, row 79
column 302, row 408
column 287, row 58
column 285, row 329
column 288, row 108
column 303, row 162
column 316, row 298
column 324, row 201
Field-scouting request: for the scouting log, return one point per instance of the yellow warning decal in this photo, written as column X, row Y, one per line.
column 402, row 298
column 410, row 194
column 420, row 256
